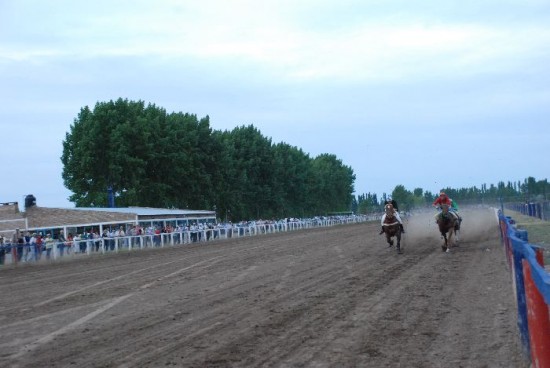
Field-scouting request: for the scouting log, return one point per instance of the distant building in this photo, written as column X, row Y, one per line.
column 77, row 220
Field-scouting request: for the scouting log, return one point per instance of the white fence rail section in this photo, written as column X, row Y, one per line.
column 15, row 253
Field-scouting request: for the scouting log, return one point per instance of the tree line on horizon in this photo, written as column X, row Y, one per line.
column 513, row 191
column 147, row 157
column 150, row 158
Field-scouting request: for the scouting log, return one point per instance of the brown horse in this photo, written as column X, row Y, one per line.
column 392, row 228
column 448, row 225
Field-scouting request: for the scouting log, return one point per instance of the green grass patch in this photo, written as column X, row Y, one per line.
column 538, row 231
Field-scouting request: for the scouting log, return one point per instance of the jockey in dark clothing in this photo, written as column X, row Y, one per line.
column 393, row 203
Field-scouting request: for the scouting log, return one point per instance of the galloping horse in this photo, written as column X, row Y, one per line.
column 391, row 227
column 448, row 224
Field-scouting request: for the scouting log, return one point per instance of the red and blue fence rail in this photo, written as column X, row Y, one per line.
column 532, row 291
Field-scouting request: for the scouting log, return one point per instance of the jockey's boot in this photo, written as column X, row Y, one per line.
column 381, row 231
column 401, row 227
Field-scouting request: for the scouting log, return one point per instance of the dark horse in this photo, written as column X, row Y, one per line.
column 391, row 227
column 448, row 227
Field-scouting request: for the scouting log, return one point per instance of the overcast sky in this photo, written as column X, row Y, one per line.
column 425, row 94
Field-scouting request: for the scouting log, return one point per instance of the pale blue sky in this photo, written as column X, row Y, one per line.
column 451, row 93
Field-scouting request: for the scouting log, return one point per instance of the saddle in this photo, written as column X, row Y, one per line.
column 390, row 220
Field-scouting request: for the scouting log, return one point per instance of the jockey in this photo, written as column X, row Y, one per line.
column 454, row 209
column 395, row 213
column 393, row 202
column 454, row 206
column 443, row 199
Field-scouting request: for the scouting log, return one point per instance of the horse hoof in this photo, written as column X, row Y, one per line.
column 448, row 250
column 399, row 251
column 443, row 248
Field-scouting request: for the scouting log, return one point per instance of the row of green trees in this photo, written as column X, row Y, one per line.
column 152, row 158
column 528, row 190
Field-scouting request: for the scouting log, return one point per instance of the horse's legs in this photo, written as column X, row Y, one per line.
column 444, row 246
column 456, row 233
column 399, row 242
column 451, row 237
column 388, row 239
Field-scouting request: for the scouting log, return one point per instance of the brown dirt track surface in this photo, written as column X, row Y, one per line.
column 327, row 297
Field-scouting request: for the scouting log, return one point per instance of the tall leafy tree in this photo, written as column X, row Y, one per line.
column 252, row 169
column 403, row 197
column 292, row 170
column 332, row 184
column 99, row 150
column 151, row 158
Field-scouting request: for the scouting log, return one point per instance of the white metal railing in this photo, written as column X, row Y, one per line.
column 27, row 252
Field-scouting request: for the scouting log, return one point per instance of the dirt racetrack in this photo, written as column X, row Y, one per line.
column 328, row 297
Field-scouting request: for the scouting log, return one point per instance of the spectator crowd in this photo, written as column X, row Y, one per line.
column 27, row 246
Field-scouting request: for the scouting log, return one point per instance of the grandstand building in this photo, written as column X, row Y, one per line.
column 78, row 220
